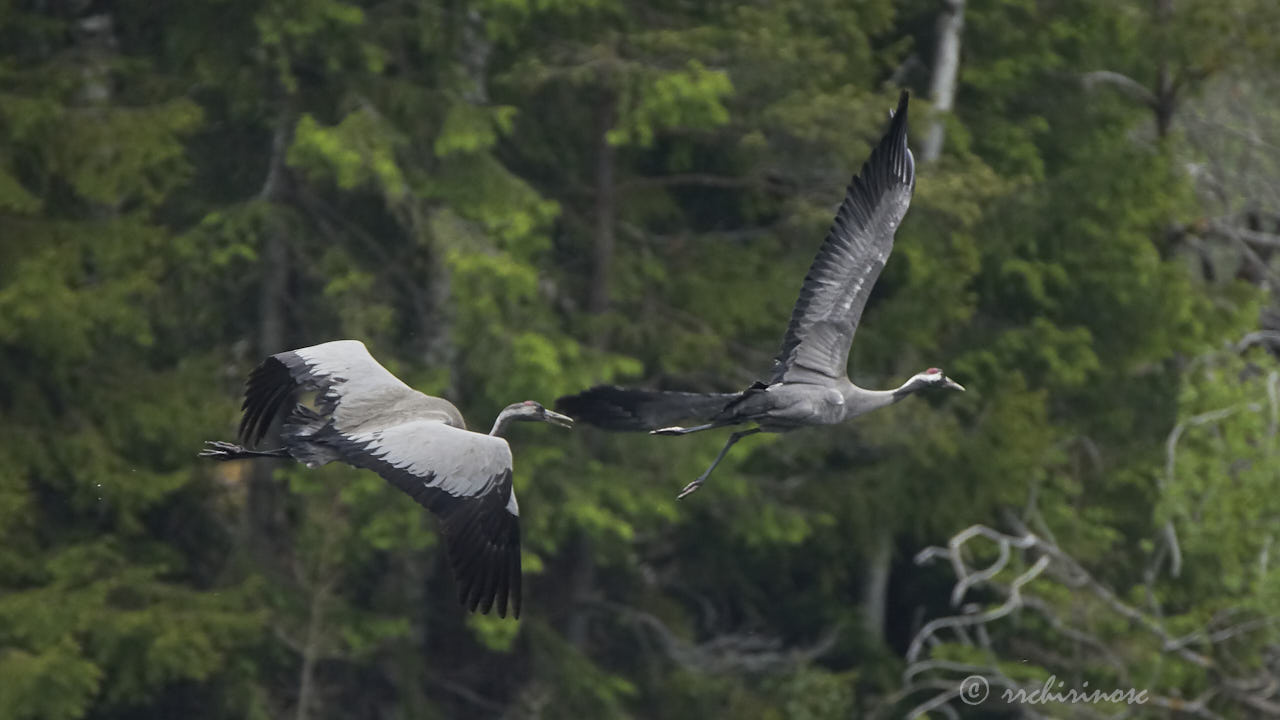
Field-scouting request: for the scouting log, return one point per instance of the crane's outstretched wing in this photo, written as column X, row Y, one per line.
column 354, row 389
column 816, row 346
column 465, row 479
column 367, row 417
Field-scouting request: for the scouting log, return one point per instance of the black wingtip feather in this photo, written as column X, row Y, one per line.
column 504, row 586
column 895, row 138
column 898, row 118
column 516, row 578
column 267, row 388
column 482, row 539
column 489, row 588
column 484, row 553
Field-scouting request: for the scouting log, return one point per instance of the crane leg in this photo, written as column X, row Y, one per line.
column 677, row 430
column 219, row 450
column 735, row 437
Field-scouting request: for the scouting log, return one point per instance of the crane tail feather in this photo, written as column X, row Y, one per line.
column 630, row 409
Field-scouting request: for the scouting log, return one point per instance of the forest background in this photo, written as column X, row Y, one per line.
column 515, row 199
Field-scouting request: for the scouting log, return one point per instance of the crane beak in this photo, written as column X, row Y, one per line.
column 953, row 385
column 556, row 418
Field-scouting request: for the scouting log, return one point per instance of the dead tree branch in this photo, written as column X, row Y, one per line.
column 1255, row 691
column 1125, row 84
column 726, row 653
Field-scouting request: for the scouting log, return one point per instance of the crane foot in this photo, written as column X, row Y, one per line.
column 690, row 488
column 220, row 450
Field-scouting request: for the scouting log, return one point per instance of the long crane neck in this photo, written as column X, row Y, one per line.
column 858, row 401
column 504, row 419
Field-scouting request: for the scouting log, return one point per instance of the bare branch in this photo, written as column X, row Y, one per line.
column 1197, row 707
column 1224, row 634
column 700, row 179
column 1013, row 602
column 466, row 693
column 1258, row 692
column 730, row 652
column 1121, row 82
column 1077, row 635
column 1168, row 535
column 1258, row 337
column 937, row 702
column 1256, row 237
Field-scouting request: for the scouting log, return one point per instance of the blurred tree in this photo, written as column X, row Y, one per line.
column 513, row 200
column 111, row 596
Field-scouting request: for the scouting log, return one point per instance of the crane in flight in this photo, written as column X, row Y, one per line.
column 809, row 382
column 367, row 417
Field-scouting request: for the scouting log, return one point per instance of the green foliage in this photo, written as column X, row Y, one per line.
column 444, row 181
column 358, row 150
column 470, row 128
column 691, row 98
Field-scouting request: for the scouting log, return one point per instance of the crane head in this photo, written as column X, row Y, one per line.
column 530, row 411
column 933, row 378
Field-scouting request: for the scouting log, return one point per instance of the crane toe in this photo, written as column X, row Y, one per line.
column 689, row 489
column 219, row 449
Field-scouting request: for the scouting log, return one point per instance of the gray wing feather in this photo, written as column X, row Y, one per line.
column 465, row 478
column 835, row 291
column 355, row 390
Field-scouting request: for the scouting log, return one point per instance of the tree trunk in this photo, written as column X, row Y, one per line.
column 262, row 501
column 942, row 90
column 946, row 66
column 582, row 578
column 875, row 589
column 95, row 41
column 275, row 256
column 96, row 49
column 311, row 652
column 318, row 579
column 1166, row 88
column 605, row 211
column 474, row 56
column 582, row 581
column 433, row 301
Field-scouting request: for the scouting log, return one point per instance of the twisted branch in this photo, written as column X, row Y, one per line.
column 1257, row 693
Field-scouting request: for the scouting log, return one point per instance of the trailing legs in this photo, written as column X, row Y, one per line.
column 677, row 430
column 735, row 437
column 219, row 450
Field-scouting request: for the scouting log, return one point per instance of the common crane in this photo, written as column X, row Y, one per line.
column 809, row 382
column 367, row 417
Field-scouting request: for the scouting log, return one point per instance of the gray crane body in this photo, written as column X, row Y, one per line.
column 368, row 418
column 787, row 406
column 809, row 383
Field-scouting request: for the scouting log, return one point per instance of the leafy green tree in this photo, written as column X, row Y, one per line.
column 515, row 200
column 110, row 595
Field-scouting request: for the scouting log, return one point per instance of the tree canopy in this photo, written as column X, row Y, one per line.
column 510, row 200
